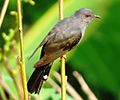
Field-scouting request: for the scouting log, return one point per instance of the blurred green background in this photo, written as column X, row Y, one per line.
column 97, row 57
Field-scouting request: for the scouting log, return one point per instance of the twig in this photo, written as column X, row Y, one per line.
column 11, row 73
column 6, row 88
column 3, row 11
column 70, row 89
column 63, row 79
column 54, row 84
column 19, row 82
column 22, row 62
column 84, row 86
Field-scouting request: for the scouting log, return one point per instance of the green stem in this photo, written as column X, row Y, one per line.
column 63, row 77
column 5, row 6
column 22, row 63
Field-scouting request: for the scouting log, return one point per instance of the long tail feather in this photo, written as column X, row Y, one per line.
column 37, row 78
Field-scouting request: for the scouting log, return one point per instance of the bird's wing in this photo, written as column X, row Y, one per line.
column 47, row 38
column 41, row 44
column 58, row 46
column 50, row 34
column 56, row 30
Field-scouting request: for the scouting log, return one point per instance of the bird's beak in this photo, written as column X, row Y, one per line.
column 97, row 16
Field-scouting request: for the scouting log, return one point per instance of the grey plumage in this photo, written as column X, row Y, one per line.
column 62, row 38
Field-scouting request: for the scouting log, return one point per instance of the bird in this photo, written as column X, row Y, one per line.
column 62, row 38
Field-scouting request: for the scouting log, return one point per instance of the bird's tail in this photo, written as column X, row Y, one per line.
column 37, row 78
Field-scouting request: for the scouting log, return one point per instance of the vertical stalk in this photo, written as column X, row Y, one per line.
column 61, row 13
column 5, row 6
column 63, row 78
column 22, row 63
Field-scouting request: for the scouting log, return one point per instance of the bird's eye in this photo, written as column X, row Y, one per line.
column 87, row 15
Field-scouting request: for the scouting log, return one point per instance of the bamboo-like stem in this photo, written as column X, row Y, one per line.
column 61, row 14
column 19, row 82
column 84, row 86
column 69, row 88
column 63, row 78
column 22, row 62
column 5, row 6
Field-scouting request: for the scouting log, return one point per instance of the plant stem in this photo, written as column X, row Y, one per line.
column 63, row 78
column 69, row 88
column 22, row 63
column 84, row 86
column 61, row 14
column 54, row 84
column 3, row 11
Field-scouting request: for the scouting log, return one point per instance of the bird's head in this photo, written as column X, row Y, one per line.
column 85, row 15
